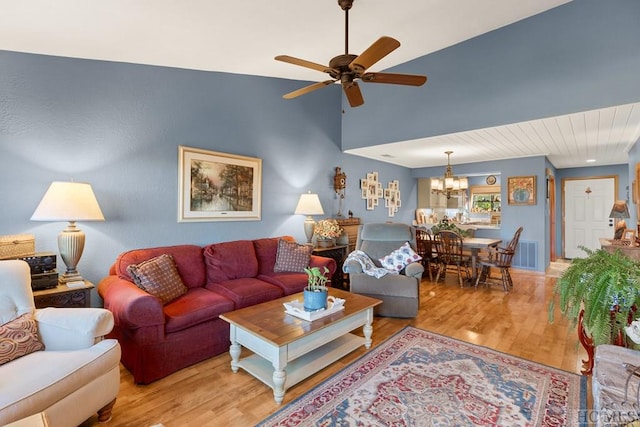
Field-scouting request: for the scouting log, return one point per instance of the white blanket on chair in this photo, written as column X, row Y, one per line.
column 368, row 267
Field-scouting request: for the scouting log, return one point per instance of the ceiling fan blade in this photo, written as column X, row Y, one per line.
column 352, row 91
column 307, row 89
column 374, row 53
column 396, row 79
column 304, row 63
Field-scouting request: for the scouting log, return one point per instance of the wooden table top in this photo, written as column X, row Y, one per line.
column 269, row 320
column 480, row 242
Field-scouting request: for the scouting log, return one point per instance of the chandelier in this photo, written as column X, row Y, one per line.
column 449, row 185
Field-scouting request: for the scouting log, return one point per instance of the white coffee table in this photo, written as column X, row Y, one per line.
column 287, row 349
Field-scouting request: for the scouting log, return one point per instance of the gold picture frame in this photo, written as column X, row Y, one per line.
column 521, row 190
column 216, row 186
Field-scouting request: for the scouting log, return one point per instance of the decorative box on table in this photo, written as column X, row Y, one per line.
column 17, row 245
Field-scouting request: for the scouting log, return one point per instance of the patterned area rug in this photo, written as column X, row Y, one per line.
column 418, row 378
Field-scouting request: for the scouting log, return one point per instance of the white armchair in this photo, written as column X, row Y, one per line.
column 75, row 376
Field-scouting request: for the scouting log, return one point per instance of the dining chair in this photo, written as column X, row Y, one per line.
column 501, row 259
column 424, row 248
column 449, row 246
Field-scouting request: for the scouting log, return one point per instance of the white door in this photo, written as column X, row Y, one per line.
column 587, row 206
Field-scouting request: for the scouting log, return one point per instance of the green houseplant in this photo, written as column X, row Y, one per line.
column 600, row 293
column 444, row 224
column 316, row 291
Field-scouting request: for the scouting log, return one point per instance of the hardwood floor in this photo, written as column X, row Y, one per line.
column 209, row 394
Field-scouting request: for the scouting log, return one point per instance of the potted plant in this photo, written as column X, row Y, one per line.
column 327, row 230
column 316, row 292
column 600, row 294
column 444, row 224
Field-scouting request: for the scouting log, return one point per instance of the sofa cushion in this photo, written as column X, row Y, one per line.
column 230, row 260
column 188, row 259
column 18, row 338
column 159, row 277
column 400, row 258
column 266, row 251
column 290, row 283
column 196, row 306
column 246, row 291
column 292, row 257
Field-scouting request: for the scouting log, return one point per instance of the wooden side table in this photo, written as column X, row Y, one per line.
column 64, row 297
column 350, row 226
column 338, row 253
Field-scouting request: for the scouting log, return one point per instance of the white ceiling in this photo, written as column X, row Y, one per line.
column 244, row 36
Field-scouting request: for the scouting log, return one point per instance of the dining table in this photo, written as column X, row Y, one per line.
column 473, row 245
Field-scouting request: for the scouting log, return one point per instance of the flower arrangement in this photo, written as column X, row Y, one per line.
column 327, row 229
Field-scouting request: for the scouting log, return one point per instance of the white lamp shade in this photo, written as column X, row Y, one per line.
column 309, row 204
column 68, row 201
column 448, row 183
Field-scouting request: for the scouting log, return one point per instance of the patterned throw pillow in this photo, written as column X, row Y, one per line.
column 159, row 277
column 400, row 258
column 292, row 257
column 18, row 338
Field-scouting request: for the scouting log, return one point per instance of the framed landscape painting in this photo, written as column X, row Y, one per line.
column 217, row 186
column 521, row 190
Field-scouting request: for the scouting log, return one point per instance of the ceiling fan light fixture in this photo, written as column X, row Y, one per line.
column 347, row 68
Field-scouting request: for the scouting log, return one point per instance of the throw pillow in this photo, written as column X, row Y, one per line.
column 159, row 277
column 400, row 258
column 18, row 338
column 292, row 256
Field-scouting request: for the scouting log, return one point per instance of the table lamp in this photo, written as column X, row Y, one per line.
column 69, row 201
column 309, row 204
column 620, row 210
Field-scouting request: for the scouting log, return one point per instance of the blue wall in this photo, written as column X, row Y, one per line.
column 118, row 127
column 533, row 218
column 579, row 56
column 621, row 171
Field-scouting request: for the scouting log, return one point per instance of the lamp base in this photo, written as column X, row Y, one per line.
column 65, row 278
column 309, row 225
column 70, row 245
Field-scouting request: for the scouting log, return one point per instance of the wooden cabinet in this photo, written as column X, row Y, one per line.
column 338, row 253
column 427, row 199
column 63, row 296
column 350, row 226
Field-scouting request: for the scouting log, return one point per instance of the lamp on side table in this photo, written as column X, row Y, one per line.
column 69, row 201
column 309, row 204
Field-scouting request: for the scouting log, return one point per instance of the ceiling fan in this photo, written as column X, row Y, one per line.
column 348, row 67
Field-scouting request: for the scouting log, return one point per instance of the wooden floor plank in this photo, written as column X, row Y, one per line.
column 209, row 394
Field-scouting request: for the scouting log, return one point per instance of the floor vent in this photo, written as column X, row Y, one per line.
column 526, row 255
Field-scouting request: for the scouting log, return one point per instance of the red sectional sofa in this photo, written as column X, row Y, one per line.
column 158, row 339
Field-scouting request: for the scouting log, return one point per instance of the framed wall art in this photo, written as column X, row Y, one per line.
column 217, row 186
column 521, row 190
column 392, row 197
column 371, row 190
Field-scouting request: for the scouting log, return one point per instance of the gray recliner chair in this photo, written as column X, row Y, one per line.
column 400, row 293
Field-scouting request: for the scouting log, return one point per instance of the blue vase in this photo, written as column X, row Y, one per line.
column 315, row 300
